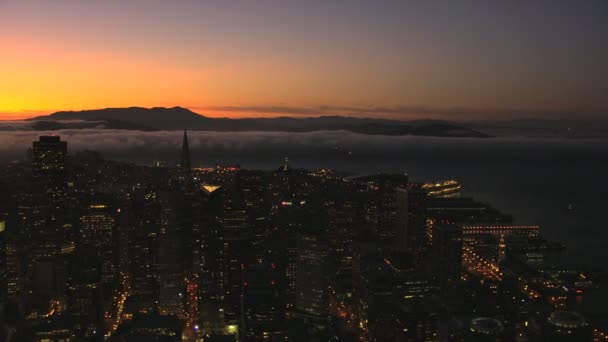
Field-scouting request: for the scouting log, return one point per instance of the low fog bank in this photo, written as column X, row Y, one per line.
column 313, row 149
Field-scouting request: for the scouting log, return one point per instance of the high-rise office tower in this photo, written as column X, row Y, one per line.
column 211, row 278
column 256, row 202
column 237, row 253
column 402, row 221
column 96, row 231
column 85, row 293
column 388, row 224
column 49, row 157
column 47, row 204
column 311, row 280
column 13, row 273
column 171, row 275
column 291, row 218
column 183, row 177
column 49, row 154
column 447, row 251
column 416, row 238
column 3, row 267
column 382, row 212
column 410, row 225
column 262, row 306
column 143, row 248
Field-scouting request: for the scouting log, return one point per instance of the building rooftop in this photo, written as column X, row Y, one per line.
column 567, row 319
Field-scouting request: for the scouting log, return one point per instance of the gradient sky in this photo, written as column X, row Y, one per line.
column 398, row 59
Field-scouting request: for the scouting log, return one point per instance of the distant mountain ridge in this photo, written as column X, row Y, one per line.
column 177, row 118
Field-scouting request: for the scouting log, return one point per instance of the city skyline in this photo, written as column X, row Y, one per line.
column 399, row 60
column 303, row 170
column 104, row 250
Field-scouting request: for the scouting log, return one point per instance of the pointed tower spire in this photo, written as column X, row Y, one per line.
column 185, row 162
column 286, row 164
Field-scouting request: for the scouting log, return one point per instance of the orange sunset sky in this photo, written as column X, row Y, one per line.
column 397, row 59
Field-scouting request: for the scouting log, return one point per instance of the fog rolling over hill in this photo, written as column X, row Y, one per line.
column 177, row 118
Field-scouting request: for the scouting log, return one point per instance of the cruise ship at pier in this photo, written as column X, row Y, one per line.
column 443, row 189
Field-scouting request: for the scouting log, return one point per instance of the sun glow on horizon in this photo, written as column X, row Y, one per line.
column 214, row 57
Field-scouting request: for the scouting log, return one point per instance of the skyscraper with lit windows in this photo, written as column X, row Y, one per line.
column 311, row 280
column 49, row 158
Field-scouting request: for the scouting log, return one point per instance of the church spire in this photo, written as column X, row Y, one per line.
column 185, row 162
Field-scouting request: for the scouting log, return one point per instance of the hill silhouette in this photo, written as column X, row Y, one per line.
column 177, row 118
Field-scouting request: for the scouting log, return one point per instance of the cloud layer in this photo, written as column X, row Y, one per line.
column 337, row 149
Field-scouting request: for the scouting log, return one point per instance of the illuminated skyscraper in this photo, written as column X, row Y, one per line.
column 96, row 228
column 172, row 289
column 84, row 293
column 311, row 280
column 49, row 156
column 237, row 252
column 12, row 275
column 143, row 249
column 48, row 208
